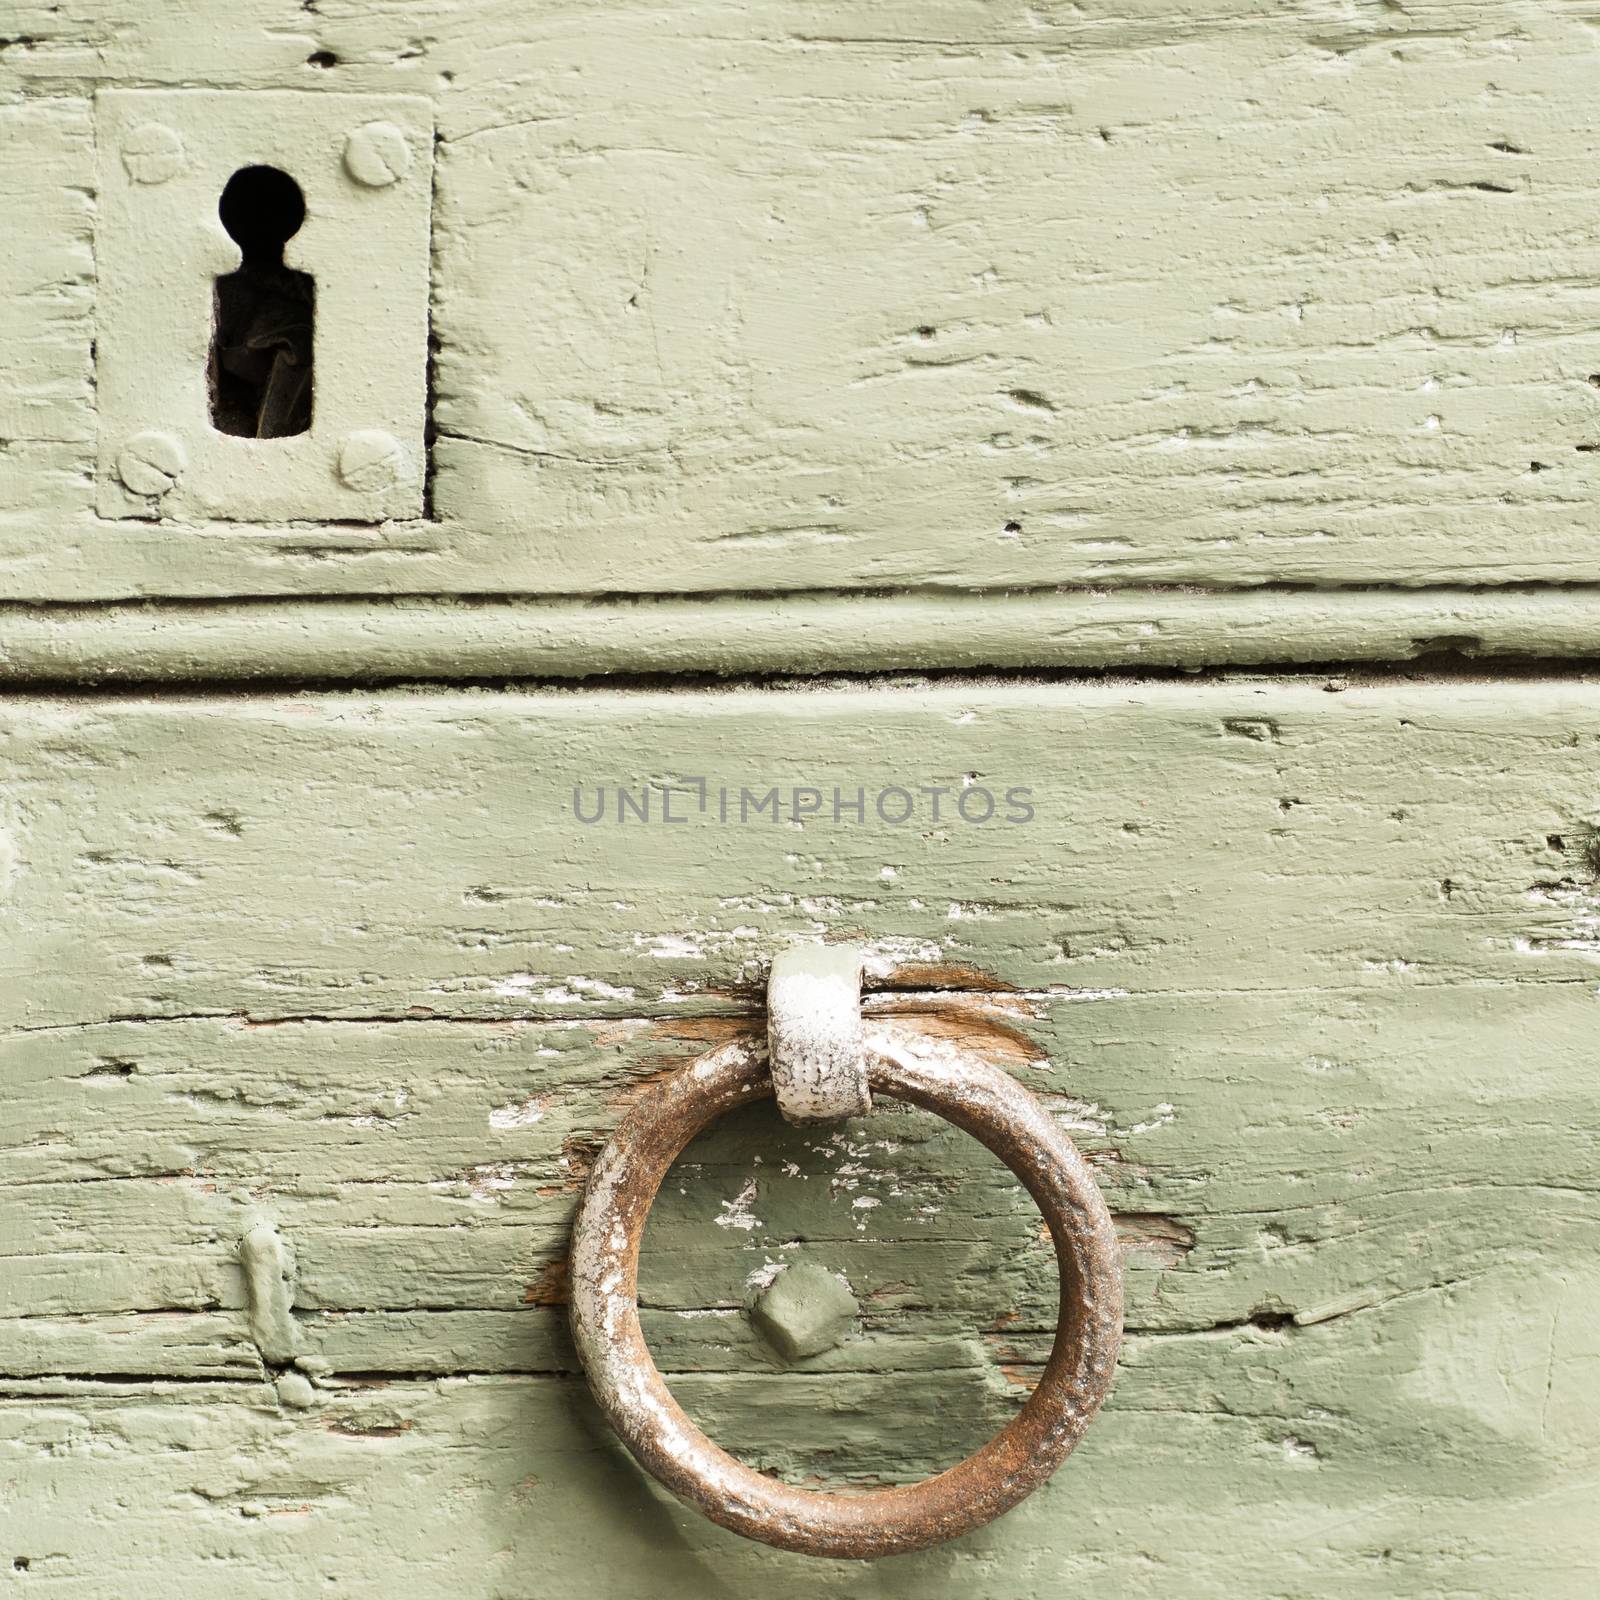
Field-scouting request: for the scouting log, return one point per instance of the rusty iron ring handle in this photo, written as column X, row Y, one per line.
column 985, row 1102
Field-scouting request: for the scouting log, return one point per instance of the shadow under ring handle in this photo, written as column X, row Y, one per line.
column 995, row 1109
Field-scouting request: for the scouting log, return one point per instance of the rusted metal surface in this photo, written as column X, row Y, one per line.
column 993, row 1108
column 815, row 1047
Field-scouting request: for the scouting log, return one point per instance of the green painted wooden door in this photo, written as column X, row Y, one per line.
column 1173, row 427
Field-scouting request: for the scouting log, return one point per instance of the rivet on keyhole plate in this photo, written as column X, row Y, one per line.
column 153, row 153
column 377, row 155
column 150, row 463
column 371, row 460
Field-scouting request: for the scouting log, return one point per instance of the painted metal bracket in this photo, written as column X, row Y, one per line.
column 364, row 165
column 814, row 1033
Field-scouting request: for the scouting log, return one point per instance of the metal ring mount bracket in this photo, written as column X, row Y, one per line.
column 814, row 1038
column 976, row 1097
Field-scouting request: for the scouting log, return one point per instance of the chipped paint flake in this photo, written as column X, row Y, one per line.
column 520, row 1114
column 736, row 1213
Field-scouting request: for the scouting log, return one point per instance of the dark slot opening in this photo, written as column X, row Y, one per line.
column 264, row 314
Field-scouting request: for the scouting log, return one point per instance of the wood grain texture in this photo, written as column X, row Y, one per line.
column 727, row 299
column 1309, row 975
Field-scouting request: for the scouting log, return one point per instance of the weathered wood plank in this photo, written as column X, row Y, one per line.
column 380, row 855
column 1308, row 974
column 1036, row 296
column 1359, row 1457
column 437, row 1165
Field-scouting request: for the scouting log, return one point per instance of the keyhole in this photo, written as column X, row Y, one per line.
column 261, row 338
